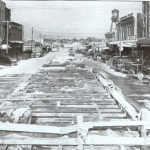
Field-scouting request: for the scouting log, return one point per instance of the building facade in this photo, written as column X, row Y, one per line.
column 146, row 18
column 7, row 14
column 15, row 32
column 130, row 27
column 15, row 39
column 2, row 18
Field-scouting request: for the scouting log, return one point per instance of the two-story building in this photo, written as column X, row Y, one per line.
column 146, row 18
column 143, row 44
column 2, row 18
column 129, row 29
column 15, row 39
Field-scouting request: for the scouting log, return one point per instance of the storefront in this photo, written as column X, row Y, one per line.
column 143, row 48
column 16, row 49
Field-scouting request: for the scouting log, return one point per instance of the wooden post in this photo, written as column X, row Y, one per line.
column 91, row 147
column 79, row 121
column 80, row 147
column 58, row 103
column 122, row 147
column 143, row 117
column 60, row 147
column 6, row 147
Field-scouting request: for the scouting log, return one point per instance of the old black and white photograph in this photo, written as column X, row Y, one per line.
column 74, row 75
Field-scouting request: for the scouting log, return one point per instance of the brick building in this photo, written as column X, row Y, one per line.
column 146, row 18
column 15, row 39
column 130, row 26
column 129, row 29
column 7, row 14
column 2, row 18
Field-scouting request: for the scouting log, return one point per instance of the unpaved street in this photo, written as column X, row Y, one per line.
column 134, row 90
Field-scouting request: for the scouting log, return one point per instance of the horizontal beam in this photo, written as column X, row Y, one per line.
column 46, row 110
column 115, row 123
column 75, row 114
column 78, row 106
column 68, row 129
column 91, row 140
column 110, row 140
column 37, row 128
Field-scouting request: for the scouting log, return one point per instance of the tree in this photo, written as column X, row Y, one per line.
column 74, row 40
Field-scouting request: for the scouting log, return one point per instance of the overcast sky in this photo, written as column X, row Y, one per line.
column 68, row 19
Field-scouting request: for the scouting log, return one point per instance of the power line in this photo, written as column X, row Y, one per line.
column 67, row 9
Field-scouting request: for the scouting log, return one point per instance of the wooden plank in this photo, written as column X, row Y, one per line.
column 69, row 114
column 78, row 106
column 91, row 140
column 116, row 123
column 39, row 141
column 76, row 111
column 37, row 128
column 110, row 140
column 28, row 98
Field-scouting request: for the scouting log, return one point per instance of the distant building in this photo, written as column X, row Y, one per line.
column 146, row 18
column 32, row 45
column 15, row 32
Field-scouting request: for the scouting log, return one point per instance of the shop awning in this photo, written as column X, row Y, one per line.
column 114, row 43
column 106, row 48
column 16, row 41
column 124, row 43
column 144, row 42
column 128, row 43
column 4, row 46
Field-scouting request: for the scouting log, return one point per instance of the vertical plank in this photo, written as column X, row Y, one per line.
column 143, row 117
column 6, row 147
column 122, row 147
column 60, row 147
column 58, row 103
column 80, row 147
column 91, row 147
column 79, row 121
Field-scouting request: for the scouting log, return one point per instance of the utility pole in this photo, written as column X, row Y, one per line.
column 44, row 39
column 40, row 39
column 7, row 34
column 51, row 41
column 32, row 39
column 120, row 48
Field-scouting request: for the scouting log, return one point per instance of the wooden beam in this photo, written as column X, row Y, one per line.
column 116, row 123
column 69, row 114
column 91, row 140
column 110, row 140
column 108, row 110
column 37, row 128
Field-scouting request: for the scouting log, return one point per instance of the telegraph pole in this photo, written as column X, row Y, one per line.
column 120, row 48
column 40, row 39
column 51, row 41
column 32, row 39
column 7, row 33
